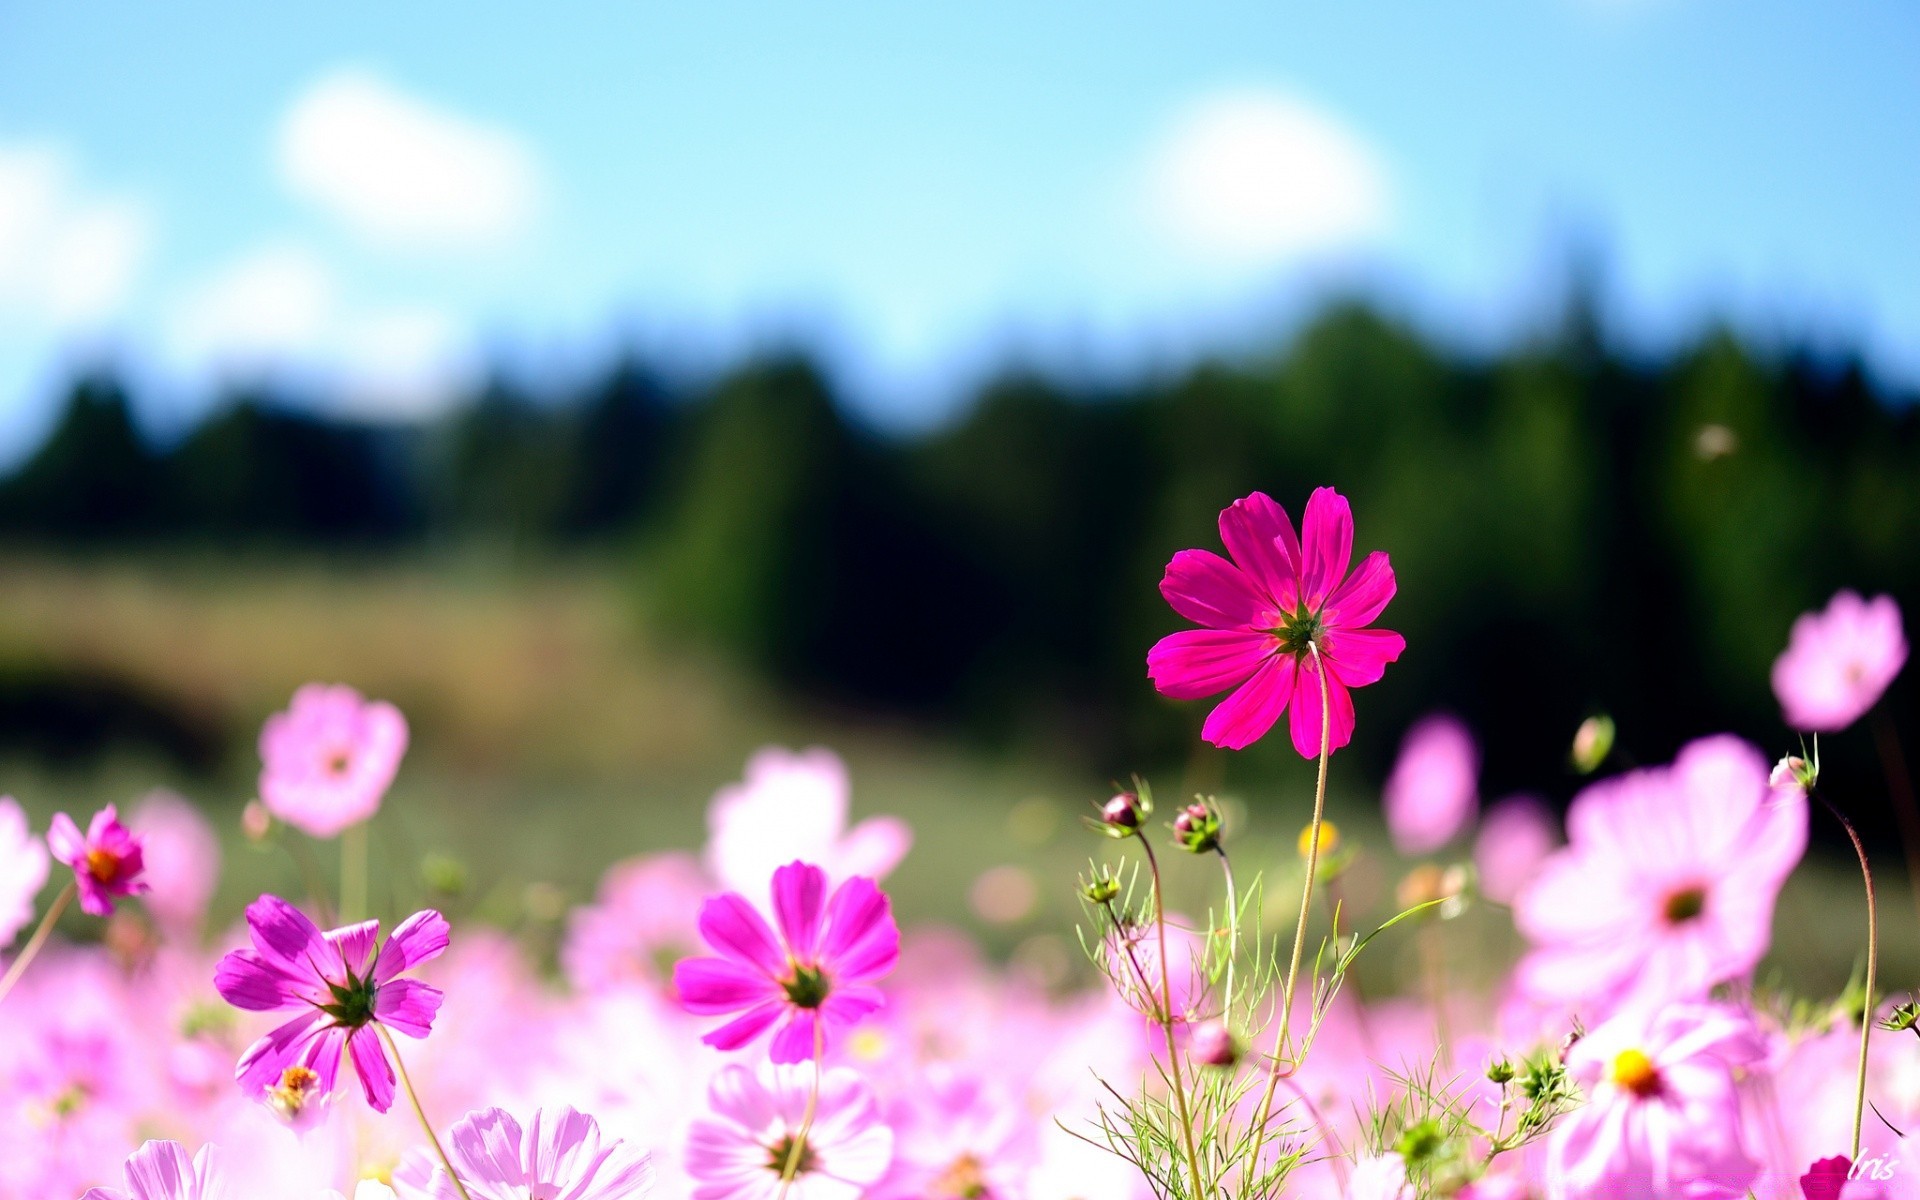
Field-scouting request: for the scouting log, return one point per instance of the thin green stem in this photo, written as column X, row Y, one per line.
column 1173, row 1049
column 406, row 1081
column 1233, row 930
column 39, row 939
column 353, row 873
column 797, row 1149
column 1873, row 964
column 1306, row 903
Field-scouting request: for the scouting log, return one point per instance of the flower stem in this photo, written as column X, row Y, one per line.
column 797, row 1149
column 406, row 1081
column 1873, row 963
column 353, row 872
column 1306, row 903
column 1233, row 929
column 1166, row 1010
column 39, row 939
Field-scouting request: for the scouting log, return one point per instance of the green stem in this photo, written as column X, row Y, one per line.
column 1166, row 1002
column 1873, row 964
column 1233, row 931
column 797, row 1149
column 406, row 1081
column 39, row 939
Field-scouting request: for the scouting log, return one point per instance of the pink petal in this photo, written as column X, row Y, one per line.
column 1260, row 538
column 420, row 938
column 798, row 892
column 1363, row 597
column 284, row 936
column 407, row 1005
column 63, row 838
column 848, row 1005
column 1195, row 663
column 353, row 945
column 1358, row 657
column 370, row 1063
column 731, row 926
column 794, row 1042
column 862, row 941
column 1307, row 716
column 487, row 1145
column 1208, row 590
column 245, row 981
column 1244, row 717
column 1327, row 542
column 737, row 1033
column 709, row 986
column 260, row 1067
column 162, row 1171
column 873, row 847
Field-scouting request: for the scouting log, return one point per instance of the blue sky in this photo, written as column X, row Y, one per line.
column 378, row 200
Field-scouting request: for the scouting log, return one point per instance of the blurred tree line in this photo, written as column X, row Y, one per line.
column 1574, row 530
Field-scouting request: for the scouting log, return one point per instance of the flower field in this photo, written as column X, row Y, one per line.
column 756, row 1019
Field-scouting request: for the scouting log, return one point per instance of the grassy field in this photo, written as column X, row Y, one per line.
column 553, row 737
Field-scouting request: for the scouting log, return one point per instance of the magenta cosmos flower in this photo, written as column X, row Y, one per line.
column 738, row 1152
column 162, row 1171
column 1838, row 662
column 1662, row 1116
column 1434, row 790
column 107, row 862
column 560, row 1153
column 1667, row 882
column 328, row 760
column 343, row 991
column 815, row 976
column 1265, row 613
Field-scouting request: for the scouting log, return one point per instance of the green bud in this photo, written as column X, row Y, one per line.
column 1592, row 742
column 1500, row 1071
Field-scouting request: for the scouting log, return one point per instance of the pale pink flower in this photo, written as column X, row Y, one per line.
column 958, row 1137
column 737, row 1152
column 182, row 861
column 366, row 1189
column 793, row 805
column 1265, row 615
column 23, row 870
column 327, row 761
column 1515, row 838
column 1662, row 1116
column 641, row 922
column 560, row 1153
column 1667, row 884
column 108, row 861
column 1433, row 792
column 162, row 1171
column 1380, row 1177
column 1838, row 662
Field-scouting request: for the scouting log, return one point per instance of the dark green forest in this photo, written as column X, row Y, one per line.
column 1574, row 529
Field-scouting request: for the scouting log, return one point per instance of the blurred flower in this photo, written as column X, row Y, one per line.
column 739, row 1150
column 1380, row 1177
column 162, row 1171
column 1434, row 789
column 642, row 920
column 560, row 1153
column 23, row 869
column 1280, row 598
column 182, row 861
column 1663, row 1110
column 1667, row 883
column 327, row 761
column 816, row 976
column 343, row 991
column 1838, row 662
column 1328, row 837
column 1592, row 742
column 107, row 862
column 958, row 1137
column 1003, row 894
column 793, row 805
column 366, row 1189
column 1213, row 1044
column 256, row 823
column 1515, row 838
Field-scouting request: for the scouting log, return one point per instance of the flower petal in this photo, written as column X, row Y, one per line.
column 1208, row 590
column 862, row 942
column 732, row 926
column 1358, row 657
column 63, row 838
column 260, row 1067
column 161, row 1171
column 709, row 986
column 1244, row 717
column 1307, row 716
column 1196, row 663
column 799, row 890
column 370, row 1063
column 1364, row 595
column 794, row 1042
column 1260, row 538
column 737, row 1033
column 353, row 946
column 1326, row 539
column 420, row 938
column 407, row 1005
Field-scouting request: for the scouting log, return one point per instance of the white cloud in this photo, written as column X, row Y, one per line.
column 280, row 312
column 1255, row 177
column 403, row 171
column 68, row 257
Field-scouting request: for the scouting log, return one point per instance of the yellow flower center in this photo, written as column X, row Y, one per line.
column 1635, row 1072
column 296, row 1087
column 103, row 865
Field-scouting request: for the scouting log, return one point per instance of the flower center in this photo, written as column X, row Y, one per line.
column 1685, row 905
column 1298, row 630
column 809, row 986
column 352, row 1004
column 297, row 1086
column 103, row 865
column 1635, row 1072
column 782, row 1150
column 338, row 763
column 962, row 1180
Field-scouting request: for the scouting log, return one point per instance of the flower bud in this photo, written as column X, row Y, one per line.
column 1213, row 1044
column 1592, row 742
column 1123, row 814
column 1500, row 1071
column 1198, row 827
column 1100, row 887
column 1796, row 771
column 1329, row 839
column 256, row 823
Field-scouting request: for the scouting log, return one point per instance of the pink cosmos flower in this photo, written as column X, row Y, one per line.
column 642, row 920
column 1380, row 1177
column 23, row 870
column 1433, row 792
column 1265, row 613
column 1667, row 883
column 343, row 991
column 561, row 1153
column 106, row 863
column 816, row 976
column 1516, row 836
column 956, row 1136
column 328, row 760
column 162, row 1171
column 794, row 806
column 1838, row 662
column 182, row 861
column 1662, row 1116
column 738, row 1152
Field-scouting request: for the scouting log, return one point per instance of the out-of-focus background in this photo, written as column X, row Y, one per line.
column 619, row 387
